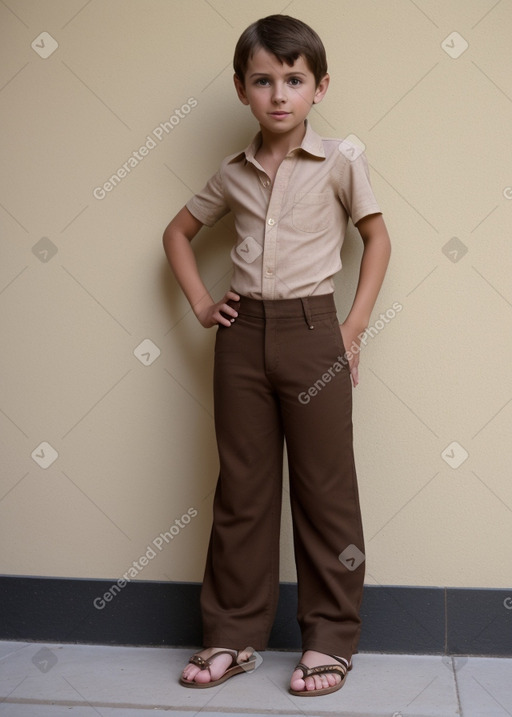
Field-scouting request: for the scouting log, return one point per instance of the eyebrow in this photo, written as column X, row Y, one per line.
column 267, row 74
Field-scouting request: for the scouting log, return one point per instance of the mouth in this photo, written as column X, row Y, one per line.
column 279, row 114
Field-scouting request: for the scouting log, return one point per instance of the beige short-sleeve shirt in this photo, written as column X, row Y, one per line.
column 289, row 234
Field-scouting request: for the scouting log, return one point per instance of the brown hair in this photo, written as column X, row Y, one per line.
column 287, row 39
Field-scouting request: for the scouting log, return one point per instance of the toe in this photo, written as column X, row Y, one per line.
column 202, row 677
column 321, row 682
column 297, row 682
column 189, row 673
column 333, row 680
column 309, row 684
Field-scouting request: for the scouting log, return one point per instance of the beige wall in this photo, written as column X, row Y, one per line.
column 134, row 436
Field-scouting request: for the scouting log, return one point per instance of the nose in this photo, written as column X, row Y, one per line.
column 278, row 95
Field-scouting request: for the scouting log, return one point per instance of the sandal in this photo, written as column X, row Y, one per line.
column 340, row 669
column 236, row 667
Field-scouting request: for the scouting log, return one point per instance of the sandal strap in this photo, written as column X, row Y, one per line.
column 343, row 661
column 203, row 664
column 322, row 670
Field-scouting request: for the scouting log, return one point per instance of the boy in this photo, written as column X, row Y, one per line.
column 291, row 193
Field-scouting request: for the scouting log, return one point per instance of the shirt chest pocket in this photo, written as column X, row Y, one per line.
column 312, row 212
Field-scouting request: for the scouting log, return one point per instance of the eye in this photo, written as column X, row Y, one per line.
column 295, row 81
column 261, row 82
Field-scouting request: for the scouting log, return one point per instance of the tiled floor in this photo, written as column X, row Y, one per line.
column 82, row 680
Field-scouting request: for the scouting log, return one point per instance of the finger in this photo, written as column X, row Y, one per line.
column 229, row 311
column 231, row 295
column 219, row 318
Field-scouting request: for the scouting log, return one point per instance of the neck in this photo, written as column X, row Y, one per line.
column 281, row 144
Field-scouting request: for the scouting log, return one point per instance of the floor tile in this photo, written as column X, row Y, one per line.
column 39, row 680
column 485, row 687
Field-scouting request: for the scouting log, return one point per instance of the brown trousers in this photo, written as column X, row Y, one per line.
column 278, row 376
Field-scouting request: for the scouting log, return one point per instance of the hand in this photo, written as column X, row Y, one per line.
column 351, row 336
column 211, row 315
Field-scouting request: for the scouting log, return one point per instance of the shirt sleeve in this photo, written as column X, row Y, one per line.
column 209, row 205
column 355, row 189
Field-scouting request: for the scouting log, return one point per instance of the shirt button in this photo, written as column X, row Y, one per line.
column 271, row 222
column 269, row 272
column 267, row 183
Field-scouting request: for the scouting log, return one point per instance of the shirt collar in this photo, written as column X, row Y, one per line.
column 311, row 143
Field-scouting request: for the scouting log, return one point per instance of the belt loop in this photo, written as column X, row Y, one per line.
column 307, row 312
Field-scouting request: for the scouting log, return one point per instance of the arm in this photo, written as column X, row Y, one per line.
column 374, row 262
column 177, row 237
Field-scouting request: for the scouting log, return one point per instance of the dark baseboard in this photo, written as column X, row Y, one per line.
column 396, row 619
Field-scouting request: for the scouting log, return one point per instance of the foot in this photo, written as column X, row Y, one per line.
column 192, row 673
column 311, row 658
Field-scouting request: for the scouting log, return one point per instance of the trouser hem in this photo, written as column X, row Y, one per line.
column 236, row 643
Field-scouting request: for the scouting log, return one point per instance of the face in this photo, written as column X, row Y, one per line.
column 280, row 96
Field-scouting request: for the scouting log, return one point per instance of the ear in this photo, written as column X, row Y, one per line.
column 240, row 90
column 321, row 89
